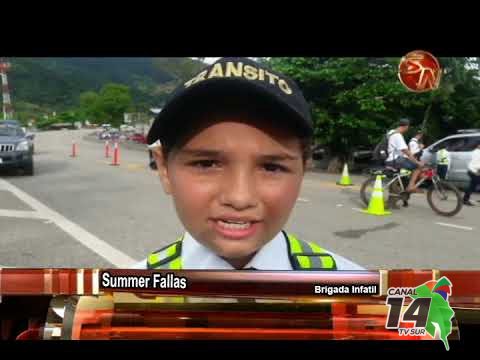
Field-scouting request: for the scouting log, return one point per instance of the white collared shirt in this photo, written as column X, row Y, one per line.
column 396, row 143
column 414, row 146
column 474, row 165
column 272, row 256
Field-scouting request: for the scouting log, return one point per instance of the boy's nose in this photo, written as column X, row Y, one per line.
column 239, row 192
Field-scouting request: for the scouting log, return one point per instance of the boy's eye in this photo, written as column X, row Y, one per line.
column 204, row 164
column 271, row 167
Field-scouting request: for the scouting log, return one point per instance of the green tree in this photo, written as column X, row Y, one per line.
column 67, row 117
column 44, row 122
column 89, row 106
column 107, row 106
column 114, row 100
column 354, row 101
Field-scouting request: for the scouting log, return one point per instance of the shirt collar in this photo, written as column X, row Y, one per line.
column 272, row 256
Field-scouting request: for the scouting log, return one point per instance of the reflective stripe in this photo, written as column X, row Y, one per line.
column 176, row 264
column 161, row 256
column 306, row 248
column 442, row 157
column 155, row 258
column 172, row 249
column 294, row 244
column 303, row 255
column 304, row 261
column 327, row 262
column 315, row 262
column 317, row 248
column 299, row 247
column 307, row 252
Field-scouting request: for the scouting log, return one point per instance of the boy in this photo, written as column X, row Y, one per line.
column 234, row 144
column 415, row 145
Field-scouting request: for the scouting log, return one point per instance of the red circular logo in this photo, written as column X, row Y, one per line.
column 419, row 71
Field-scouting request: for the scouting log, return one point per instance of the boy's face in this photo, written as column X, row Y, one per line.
column 234, row 184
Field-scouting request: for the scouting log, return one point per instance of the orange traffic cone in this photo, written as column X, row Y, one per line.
column 116, row 155
column 107, row 149
column 74, row 149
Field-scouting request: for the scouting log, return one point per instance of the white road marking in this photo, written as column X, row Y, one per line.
column 455, row 226
column 303, row 200
column 357, row 209
column 339, row 205
column 100, row 247
column 21, row 214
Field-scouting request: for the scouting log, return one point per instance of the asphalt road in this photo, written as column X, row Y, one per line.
column 83, row 212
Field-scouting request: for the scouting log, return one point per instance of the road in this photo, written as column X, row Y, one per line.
column 83, row 212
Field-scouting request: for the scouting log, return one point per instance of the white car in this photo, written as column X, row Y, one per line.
column 460, row 147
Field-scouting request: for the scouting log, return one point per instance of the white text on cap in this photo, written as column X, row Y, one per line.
column 238, row 70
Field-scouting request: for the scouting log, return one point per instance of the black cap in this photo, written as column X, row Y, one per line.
column 404, row 122
column 235, row 76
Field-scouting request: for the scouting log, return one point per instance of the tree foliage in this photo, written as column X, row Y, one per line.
column 107, row 106
column 354, row 101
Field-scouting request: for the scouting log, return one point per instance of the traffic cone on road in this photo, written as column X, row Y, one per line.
column 376, row 205
column 107, row 149
column 74, row 149
column 345, row 180
column 116, row 155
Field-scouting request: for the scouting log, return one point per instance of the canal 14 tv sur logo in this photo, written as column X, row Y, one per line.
column 429, row 311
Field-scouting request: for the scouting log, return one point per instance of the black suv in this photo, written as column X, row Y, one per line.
column 16, row 148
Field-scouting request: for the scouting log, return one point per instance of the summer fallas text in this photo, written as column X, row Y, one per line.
column 151, row 281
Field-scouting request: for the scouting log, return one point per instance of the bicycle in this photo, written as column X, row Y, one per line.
column 444, row 198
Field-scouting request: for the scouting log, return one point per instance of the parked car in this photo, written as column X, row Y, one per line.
column 104, row 135
column 16, row 148
column 10, row 122
column 115, row 135
column 460, row 147
column 140, row 138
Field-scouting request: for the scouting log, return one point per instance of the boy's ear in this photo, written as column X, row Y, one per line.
column 162, row 169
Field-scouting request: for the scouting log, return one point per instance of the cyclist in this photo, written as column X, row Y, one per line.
column 400, row 157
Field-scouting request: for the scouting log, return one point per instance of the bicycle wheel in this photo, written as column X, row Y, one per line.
column 367, row 189
column 444, row 198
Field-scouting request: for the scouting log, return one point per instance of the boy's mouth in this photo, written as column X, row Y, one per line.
column 236, row 225
column 235, row 229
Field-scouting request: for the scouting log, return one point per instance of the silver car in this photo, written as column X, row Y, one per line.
column 460, row 147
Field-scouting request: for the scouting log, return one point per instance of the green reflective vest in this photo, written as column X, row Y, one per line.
column 442, row 157
column 302, row 255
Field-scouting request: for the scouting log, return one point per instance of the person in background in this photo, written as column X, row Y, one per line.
column 474, row 174
column 443, row 163
column 400, row 157
column 416, row 146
